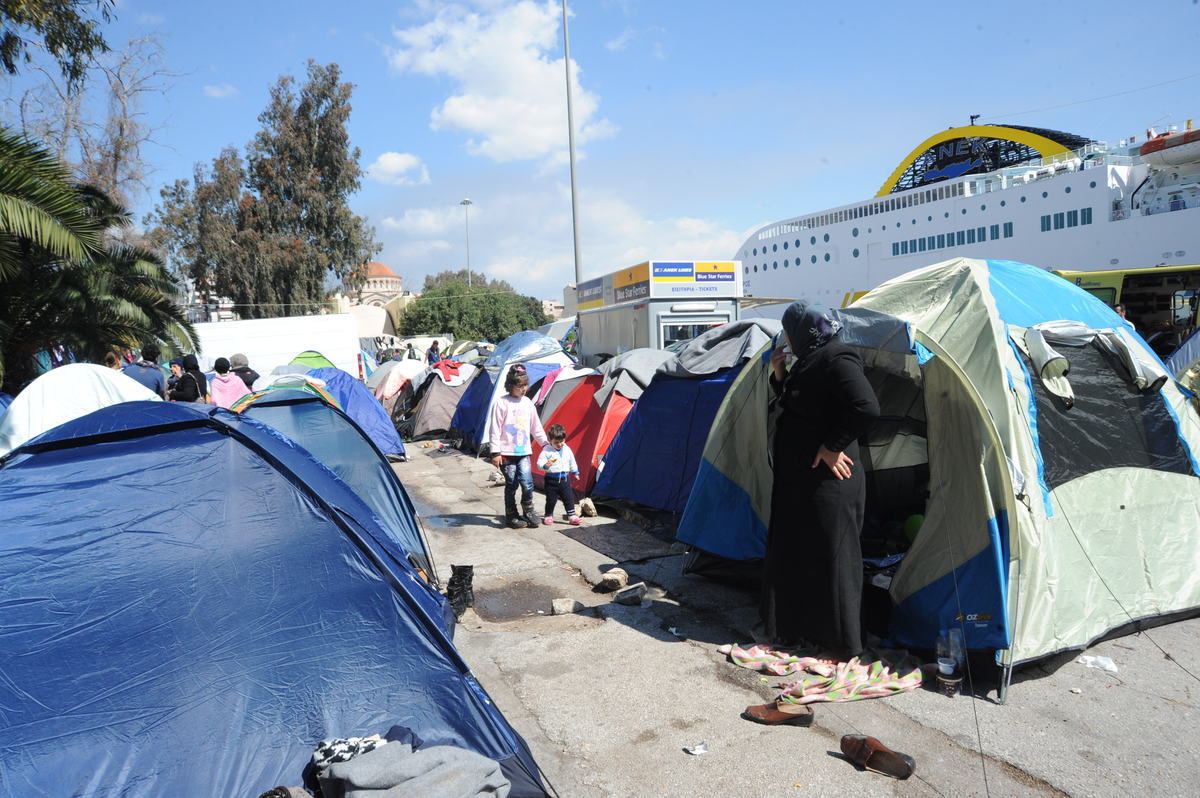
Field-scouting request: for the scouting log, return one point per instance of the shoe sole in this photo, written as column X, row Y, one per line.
column 885, row 762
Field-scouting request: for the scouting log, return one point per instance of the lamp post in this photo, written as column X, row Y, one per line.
column 571, row 140
column 466, row 206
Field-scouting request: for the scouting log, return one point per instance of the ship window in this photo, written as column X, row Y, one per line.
column 747, row 269
column 855, row 253
column 1003, row 203
column 785, row 245
column 1060, row 221
column 1022, row 199
column 785, row 263
column 895, row 249
column 1045, row 223
column 912, row 245
column 1067, row 190
column 1092, row 184
column 921, row 244
column 946, row 215
column 756, row 270
column 826, row 237
column 812, row 239
column 797, row 242
column 941, row 241
column 756, row 251
column 994, row 232
column 964, row 210
column 980, row 234
column 1085, row 216
column 1008, row 230
column 814, row 258
column 903, row 247
column 854, row 232
column 827, row 257
column 914, row 221
column 775, row 265
column 930, row 241
column 960, row 237
column 1045, row 194
column 774, row 247
column 983, row 207
column 1072, row 218
column 971, row 236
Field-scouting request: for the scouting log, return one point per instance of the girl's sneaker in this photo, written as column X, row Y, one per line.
column 576, row 520
column 548, row 520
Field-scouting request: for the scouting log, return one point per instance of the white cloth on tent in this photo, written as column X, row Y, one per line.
column 391, row 377
column 1142, row 370
column 65, row 394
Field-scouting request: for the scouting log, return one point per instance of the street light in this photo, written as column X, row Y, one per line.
column 466, row 206
column 571, row 140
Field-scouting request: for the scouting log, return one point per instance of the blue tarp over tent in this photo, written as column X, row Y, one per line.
column 653, row 459
column 197, row 632
column 5, row 401
column 472, row 408
column 333, row 438
column 361, row 405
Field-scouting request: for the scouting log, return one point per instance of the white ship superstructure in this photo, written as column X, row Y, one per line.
column 990, row 191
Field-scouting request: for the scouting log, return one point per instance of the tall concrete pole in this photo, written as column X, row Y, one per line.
column 571, row 140
column 466, row 203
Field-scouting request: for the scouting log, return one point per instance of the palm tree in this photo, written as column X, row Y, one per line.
column 62, row 280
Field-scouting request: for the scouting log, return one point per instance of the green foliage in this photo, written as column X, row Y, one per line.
column 474, row 314
column 62, row 27
column 88, row 296
column 268, row 231
column 478, row 280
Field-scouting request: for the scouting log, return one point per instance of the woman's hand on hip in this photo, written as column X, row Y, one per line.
column 837, row 462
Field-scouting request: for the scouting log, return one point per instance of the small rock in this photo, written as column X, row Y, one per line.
column 1076, row 690
column 631, row 595
column 564, row 606
column 587, row 508
column 614, row 579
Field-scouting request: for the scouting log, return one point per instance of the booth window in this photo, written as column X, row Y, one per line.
column 1110, row 425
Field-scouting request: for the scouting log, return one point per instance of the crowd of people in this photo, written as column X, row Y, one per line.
column 183, row 380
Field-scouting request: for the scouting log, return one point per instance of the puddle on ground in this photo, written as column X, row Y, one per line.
column 516, row 600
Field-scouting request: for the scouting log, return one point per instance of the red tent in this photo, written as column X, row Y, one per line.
column 590, row 429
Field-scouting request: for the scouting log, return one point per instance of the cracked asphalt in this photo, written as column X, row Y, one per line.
column 609, row 697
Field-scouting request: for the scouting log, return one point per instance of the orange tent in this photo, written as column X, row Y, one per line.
column 590, row 429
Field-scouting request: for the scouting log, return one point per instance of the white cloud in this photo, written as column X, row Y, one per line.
column 509, row 94
column 427, row 222
column 222, row 91
column 399, row 169
column 622, row 41
column 151, row 19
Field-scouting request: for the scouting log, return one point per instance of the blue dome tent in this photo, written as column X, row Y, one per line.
column 337, row 441
column 361, row 405
column 199, row 630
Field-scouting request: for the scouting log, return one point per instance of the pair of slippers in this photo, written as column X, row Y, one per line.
column 866, row 752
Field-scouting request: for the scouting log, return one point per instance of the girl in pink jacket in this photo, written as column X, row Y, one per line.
column 515, row 425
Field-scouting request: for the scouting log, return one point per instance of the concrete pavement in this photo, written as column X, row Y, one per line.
column 608, row 698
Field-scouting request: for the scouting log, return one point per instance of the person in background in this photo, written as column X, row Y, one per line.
column 558, row 462
column 1120, row 309
column 192, row 385
column 433, row 355
column 514, row 423
column 411, row 353
column 176, row 365
column 240, row 366
column 147, row 372
column 112, row 360
column 226, row 388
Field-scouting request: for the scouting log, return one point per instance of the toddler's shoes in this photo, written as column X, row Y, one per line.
column 548, row 520
column 576, row 520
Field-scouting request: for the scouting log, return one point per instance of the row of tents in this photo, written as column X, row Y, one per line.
column 1032, row 478
column 190, row 590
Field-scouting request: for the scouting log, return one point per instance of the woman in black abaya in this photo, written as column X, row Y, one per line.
column 812, row 575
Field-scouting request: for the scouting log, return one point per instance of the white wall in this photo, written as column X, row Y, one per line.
column 268, row 343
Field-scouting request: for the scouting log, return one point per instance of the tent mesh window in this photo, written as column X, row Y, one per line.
column 1111, row 424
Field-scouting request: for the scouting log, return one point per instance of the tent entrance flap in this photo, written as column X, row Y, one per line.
column 954, row 573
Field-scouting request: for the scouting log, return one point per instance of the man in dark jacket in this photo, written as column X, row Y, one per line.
column 240, row 366
column 147, row 371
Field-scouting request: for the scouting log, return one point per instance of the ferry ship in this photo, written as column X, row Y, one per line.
column 1044, row 197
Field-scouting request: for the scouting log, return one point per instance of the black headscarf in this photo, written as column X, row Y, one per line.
column 809, row 326
column 192, row 366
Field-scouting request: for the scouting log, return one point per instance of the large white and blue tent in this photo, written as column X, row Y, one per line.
column 193, row 602
column 1062, row 502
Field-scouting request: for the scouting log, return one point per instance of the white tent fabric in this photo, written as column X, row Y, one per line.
column 65, row 394
column 391, row 377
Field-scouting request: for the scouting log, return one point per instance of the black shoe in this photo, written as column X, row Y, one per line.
column 512, row 519
column 530, row 518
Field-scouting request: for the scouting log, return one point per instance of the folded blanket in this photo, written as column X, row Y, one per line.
column 818, row 681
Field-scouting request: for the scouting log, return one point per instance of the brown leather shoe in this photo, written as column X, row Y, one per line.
column 771, row 715
column 869, row 753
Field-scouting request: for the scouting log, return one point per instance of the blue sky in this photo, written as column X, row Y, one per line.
column 697, row 121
